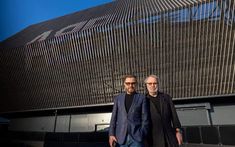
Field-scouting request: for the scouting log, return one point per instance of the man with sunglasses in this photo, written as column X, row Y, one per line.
column 130, row 118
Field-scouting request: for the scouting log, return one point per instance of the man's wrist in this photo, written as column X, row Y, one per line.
column 178, row 130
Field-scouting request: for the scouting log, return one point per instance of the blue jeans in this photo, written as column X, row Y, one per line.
column 130, row 142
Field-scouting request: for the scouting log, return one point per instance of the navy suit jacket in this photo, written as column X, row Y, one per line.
column 135, row 122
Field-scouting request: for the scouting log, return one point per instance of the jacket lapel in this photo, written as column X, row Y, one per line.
column 162, row 104
column 123, row 102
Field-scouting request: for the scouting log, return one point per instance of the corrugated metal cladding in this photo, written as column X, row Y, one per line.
column 188, row 43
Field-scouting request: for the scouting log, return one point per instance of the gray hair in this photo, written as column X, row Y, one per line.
column 153, row 76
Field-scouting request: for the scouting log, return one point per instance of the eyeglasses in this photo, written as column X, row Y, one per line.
column 152, row 84
column 130, row 83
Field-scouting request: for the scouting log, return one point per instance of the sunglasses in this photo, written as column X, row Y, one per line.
column 130, row 83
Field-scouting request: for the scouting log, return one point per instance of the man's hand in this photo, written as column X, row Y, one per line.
column 179, row 137
column 112, row 141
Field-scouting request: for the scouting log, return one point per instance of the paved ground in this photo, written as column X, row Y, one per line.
column 205, row 145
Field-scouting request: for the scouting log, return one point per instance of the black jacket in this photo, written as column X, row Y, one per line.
column 164, row 123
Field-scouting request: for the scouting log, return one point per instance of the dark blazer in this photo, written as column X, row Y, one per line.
column 135, row 122
column 164, row 124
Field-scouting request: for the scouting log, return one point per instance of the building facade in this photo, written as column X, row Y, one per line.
column 77, row 61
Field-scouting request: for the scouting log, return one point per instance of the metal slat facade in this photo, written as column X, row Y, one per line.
column 188, row 43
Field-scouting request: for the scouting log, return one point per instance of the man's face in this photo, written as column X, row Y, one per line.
column 129, row 85
column 152, row 85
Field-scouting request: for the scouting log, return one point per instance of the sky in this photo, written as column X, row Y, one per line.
column 16, row 15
